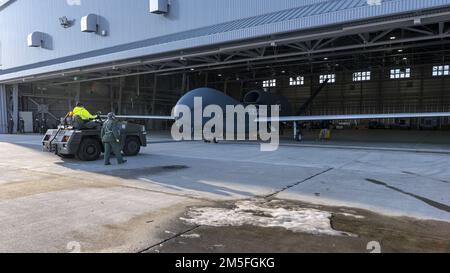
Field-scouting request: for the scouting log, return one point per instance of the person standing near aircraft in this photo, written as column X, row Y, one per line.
column 110, row 135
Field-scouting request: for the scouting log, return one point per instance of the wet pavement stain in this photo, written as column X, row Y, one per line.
column 136, row 173
column 415, row 174
column 430, row 202
column 393, row 234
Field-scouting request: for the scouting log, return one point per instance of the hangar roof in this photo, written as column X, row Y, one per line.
column 312, row 16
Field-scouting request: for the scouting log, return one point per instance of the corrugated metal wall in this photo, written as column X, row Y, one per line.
column 126, row 21
column 129, row 21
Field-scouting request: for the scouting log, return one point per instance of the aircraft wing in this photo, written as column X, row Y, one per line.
column 354, row 117
column 146, row 117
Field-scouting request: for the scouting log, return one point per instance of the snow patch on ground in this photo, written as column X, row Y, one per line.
column 352, row 215
column 191, row 236
column 260, row 213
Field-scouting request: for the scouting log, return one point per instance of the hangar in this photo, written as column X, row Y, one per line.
column 140, row 57
column 385, row 61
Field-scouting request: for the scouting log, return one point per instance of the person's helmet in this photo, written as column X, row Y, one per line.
column 111, row 115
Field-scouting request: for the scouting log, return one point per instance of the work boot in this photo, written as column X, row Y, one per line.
column 107, row 164
column 123, row 162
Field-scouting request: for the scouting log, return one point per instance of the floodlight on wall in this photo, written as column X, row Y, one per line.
column 35, row 39
column 89, row 23
column 65, row 22
column 159, row 6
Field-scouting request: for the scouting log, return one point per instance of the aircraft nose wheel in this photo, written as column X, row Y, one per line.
column 215, row 141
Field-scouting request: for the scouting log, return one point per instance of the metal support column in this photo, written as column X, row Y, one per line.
column 15, row 107
column 78, row 92
column 119, row 100
column 183, row 84
column 295, row 130
column 155, row 87
column 3, row 110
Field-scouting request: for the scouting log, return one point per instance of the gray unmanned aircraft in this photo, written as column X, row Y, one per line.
column 260, row 98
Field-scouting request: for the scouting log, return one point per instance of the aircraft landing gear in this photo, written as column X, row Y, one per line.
column 215, row 141
column 297, row 132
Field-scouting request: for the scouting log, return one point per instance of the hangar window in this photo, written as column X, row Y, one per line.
column 362, row 76
column 296, row 81
column 331, row 77
column 441, row 70
column 401, row 73
column 270, row 83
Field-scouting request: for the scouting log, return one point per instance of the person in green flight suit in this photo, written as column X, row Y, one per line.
column 110, row 134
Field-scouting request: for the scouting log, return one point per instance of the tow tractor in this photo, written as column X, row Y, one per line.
column 85, row 144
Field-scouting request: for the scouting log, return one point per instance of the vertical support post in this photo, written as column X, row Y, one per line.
column 3, row 110
column 442, row 102
column 78, row 92
column 138, row 85
column 311, row 92
column 69, row 99
column 183, row 84
column 119, row 100
column 188, row 82
column 422, row 89
column 295, row 130
column 361, row 98
column 155, row 86
column 111, row 95
column 15, row 107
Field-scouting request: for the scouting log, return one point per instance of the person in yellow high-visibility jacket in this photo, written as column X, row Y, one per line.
column 84, row 114
column 82, row 118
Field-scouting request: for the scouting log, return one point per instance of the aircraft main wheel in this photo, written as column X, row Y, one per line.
column 132, row 146
column 299, row 137
column 90, row 150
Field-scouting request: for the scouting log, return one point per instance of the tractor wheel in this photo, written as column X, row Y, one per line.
column 132, row 146
column 90, row 150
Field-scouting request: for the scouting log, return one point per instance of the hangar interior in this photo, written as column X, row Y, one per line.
column 387, row 66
